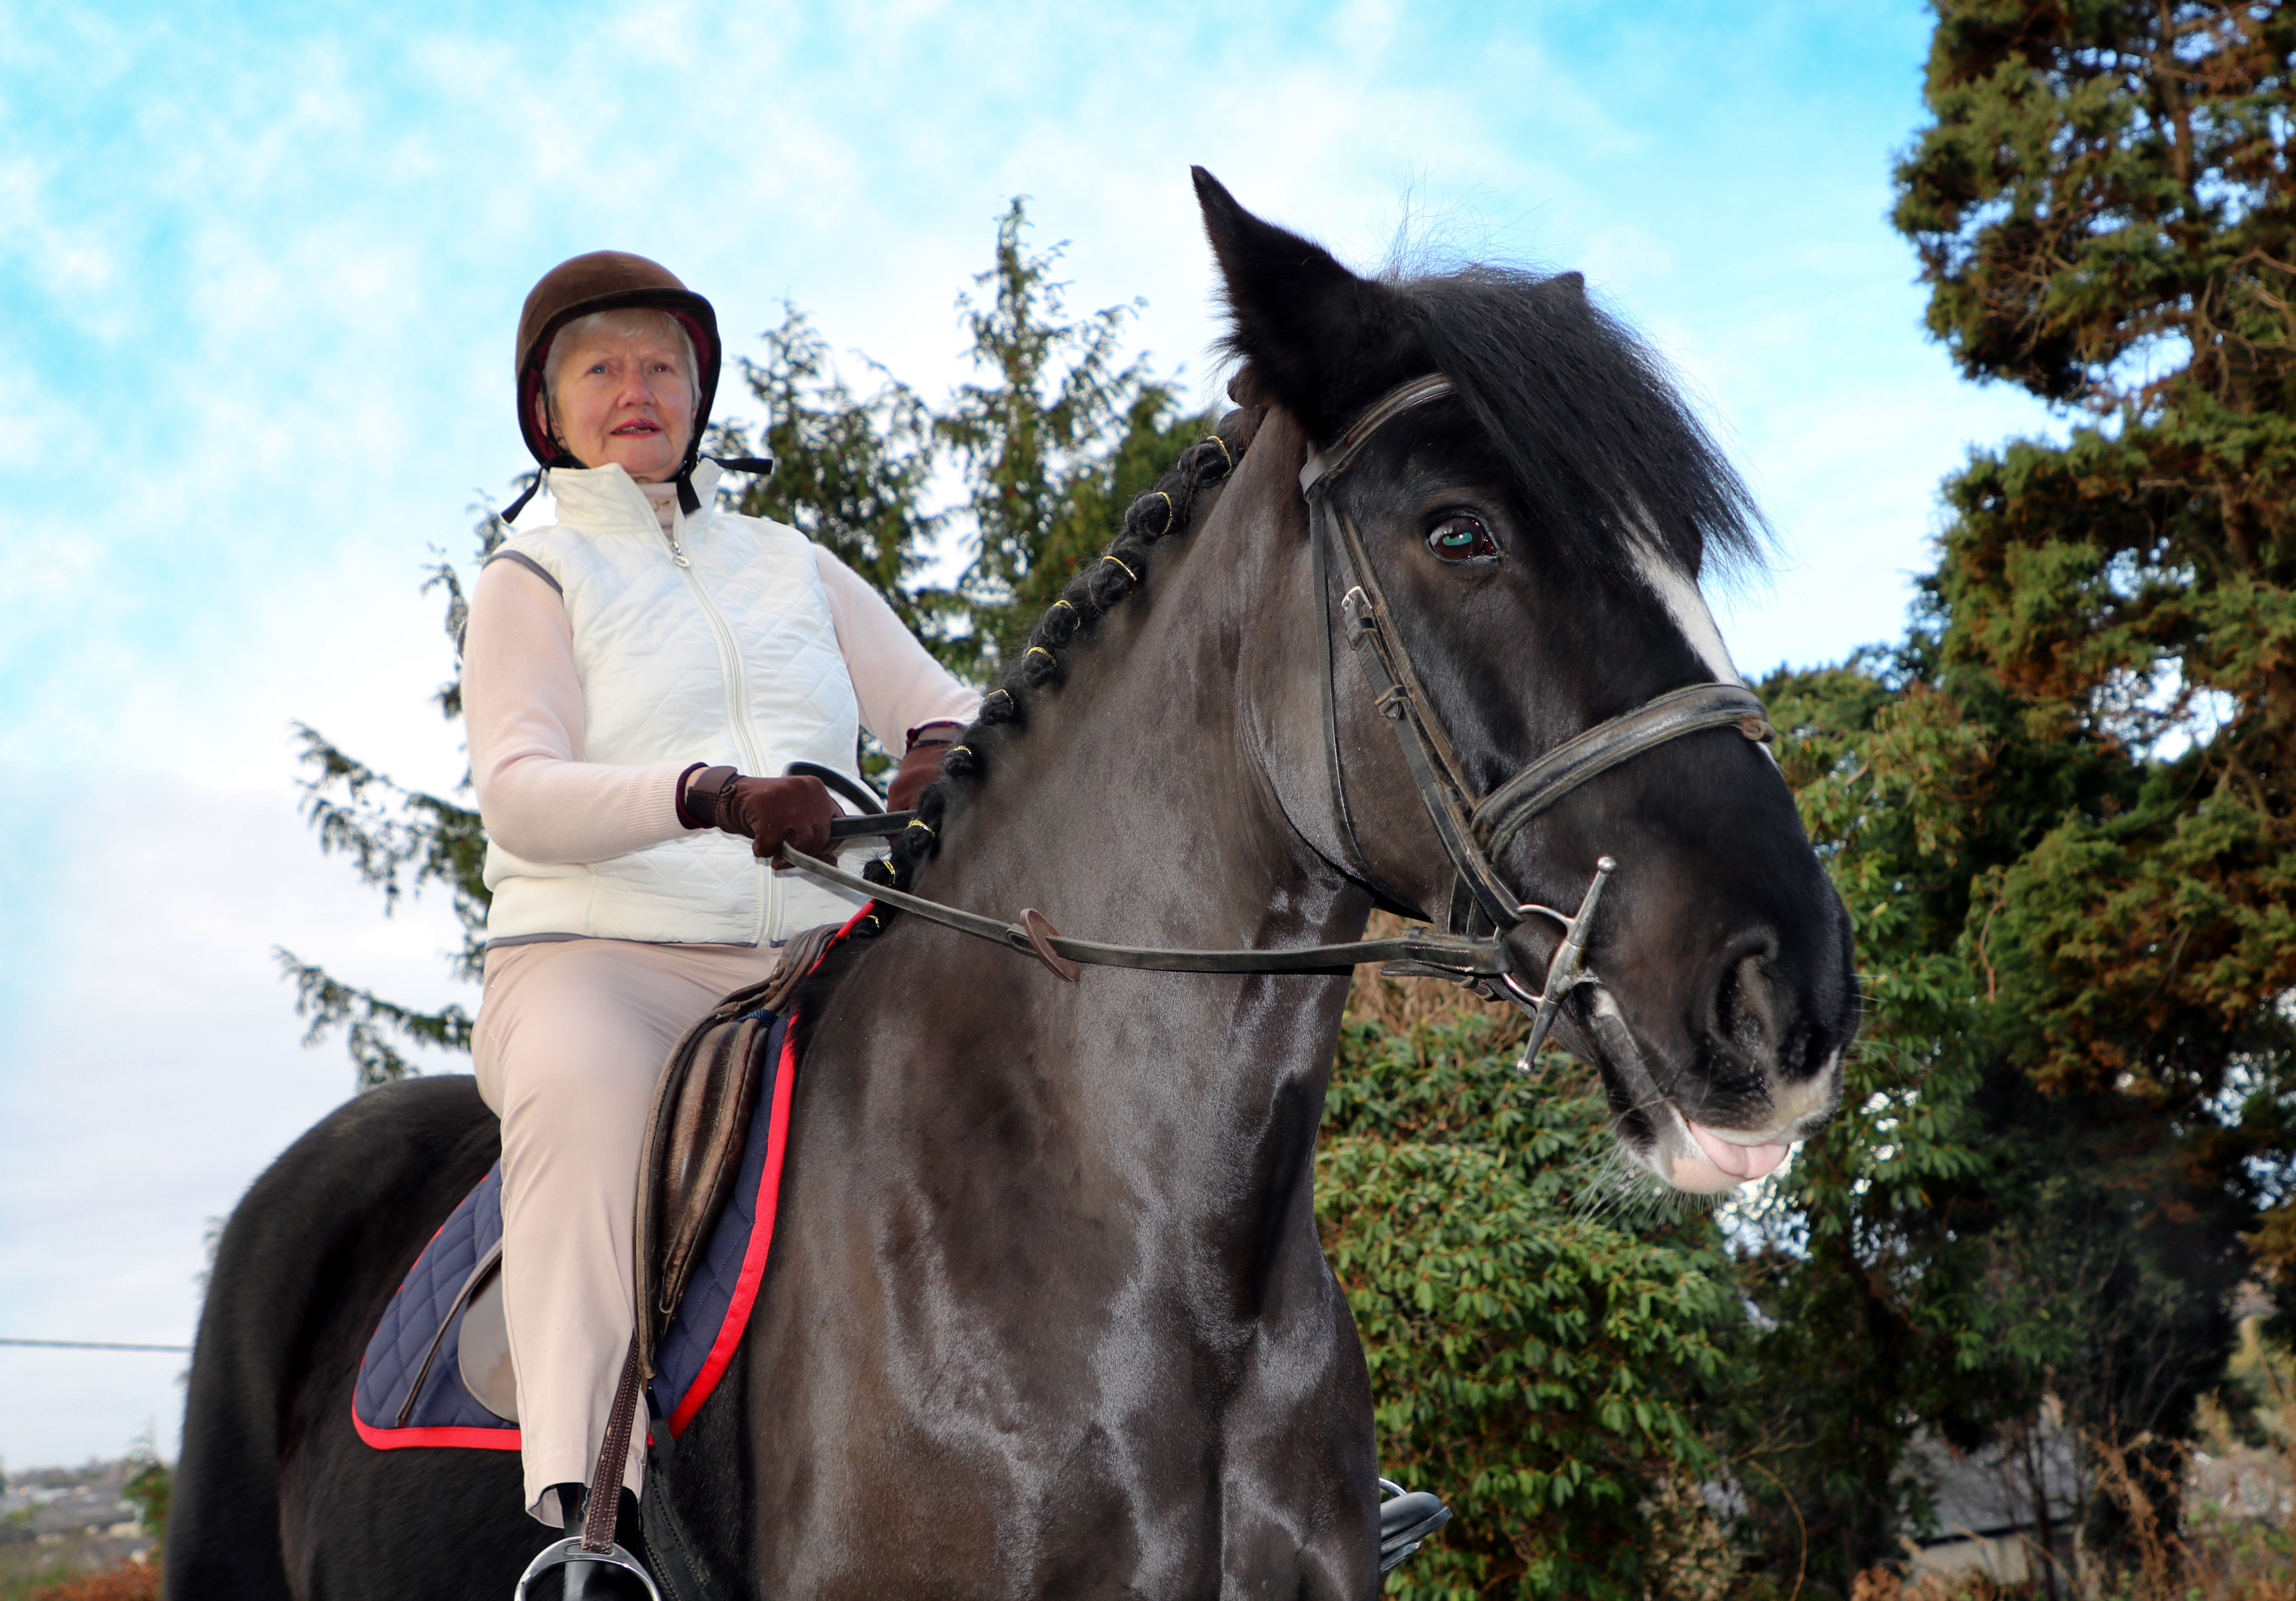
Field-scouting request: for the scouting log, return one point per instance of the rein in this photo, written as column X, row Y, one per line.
column 1034, row 935
column 1473, row 828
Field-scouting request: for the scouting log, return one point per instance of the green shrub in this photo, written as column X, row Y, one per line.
column 1543, row 1331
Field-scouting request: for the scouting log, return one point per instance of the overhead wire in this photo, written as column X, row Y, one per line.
column 91, row 1345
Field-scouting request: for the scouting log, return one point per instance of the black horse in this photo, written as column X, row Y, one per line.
column 1046, row 1313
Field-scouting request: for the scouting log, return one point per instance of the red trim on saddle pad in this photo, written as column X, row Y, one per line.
column 769, row 1192
column 504, row 1438
column 489, row 1438
column 761, row 1245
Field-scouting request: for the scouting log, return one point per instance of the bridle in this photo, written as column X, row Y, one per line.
column 1473, row 829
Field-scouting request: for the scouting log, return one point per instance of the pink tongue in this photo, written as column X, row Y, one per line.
column 1741, row 1164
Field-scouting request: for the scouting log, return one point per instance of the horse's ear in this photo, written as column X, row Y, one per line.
column 1317, row 339
column 1245, row 388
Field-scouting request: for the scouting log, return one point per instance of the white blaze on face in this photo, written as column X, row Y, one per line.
column 1691, row 1156
column 1687, row 607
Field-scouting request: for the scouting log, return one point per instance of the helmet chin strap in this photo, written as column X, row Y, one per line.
column 564, row 457
column 688, row 501
column 509, row 514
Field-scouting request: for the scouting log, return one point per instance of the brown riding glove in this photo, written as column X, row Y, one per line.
column 767, row 812
column 921, row 766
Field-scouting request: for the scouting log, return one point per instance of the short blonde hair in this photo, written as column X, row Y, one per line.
column 623, row 322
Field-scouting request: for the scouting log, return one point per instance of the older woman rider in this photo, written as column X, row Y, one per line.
column 634, row 675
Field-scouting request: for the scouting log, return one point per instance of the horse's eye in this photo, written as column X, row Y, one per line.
column 1460, row 538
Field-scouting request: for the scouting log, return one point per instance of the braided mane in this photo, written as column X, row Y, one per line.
column 1168, row 508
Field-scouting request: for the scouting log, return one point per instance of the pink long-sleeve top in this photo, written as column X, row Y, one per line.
column 523, row 714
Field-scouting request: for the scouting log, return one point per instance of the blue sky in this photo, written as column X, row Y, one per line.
column 259, row 268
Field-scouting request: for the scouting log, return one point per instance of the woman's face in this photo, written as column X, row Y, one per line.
column 624, row 397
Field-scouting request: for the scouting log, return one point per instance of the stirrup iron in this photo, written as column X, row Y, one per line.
column 600, row 1509
column 566, row 1552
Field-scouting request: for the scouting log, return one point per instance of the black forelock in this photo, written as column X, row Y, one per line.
column 1604, row 450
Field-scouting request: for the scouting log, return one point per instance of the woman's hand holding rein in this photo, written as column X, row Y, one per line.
column 921, row 764
column 771, row 812
column 767, row 812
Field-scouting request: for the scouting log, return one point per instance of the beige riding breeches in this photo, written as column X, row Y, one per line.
column 571, row 1036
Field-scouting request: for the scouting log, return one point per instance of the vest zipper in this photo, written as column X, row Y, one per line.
column 737, row 706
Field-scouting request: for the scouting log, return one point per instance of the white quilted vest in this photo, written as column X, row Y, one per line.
column 712, row 645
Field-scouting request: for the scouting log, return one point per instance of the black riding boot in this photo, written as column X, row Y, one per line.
column 1405, row 1517
column 575, row 1577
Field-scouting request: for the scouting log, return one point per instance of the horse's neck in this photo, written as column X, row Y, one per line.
column 1135, row 807
column 1020, row 1142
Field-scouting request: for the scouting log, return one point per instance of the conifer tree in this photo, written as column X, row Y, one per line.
column 850, row 474
column 2062, row 809
column 398, row 841
column 1056, row 440
column 2106, row 211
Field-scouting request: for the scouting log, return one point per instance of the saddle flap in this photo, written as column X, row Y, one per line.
column 704, row 1146
column 693, row 1144
column 703, row 1105
column 482, row 1346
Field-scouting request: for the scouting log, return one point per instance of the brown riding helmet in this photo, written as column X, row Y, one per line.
column 607, row 281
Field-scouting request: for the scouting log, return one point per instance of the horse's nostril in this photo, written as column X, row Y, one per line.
column 1745, row 1011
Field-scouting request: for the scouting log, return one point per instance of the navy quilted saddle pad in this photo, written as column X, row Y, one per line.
column 410, row 1387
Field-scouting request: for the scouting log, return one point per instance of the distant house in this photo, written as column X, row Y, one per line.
column 1999, row 1510
column 69, row 1519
